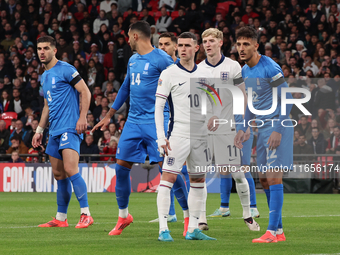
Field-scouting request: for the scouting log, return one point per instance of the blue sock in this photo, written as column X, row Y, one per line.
column 267, row 191
column 172, row 203
column 123, row 186
column 80, row 189
column 252, row 191
column 280, row 221
column 181, row 192
column 64, row 193
column 186, row 175
column 225, row 189
column 276, row 202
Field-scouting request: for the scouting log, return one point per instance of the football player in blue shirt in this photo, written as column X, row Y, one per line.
column 275, row 130
column 62, row 87
column 139, row 134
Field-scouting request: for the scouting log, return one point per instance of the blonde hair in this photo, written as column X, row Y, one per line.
column 214, row 32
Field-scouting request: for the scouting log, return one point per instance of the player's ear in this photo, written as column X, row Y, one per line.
column 256, row 46
column 197, row 47
column 221, row 43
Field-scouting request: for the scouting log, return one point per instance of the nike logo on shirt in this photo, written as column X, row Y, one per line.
column 62, row 144
column 180, row 84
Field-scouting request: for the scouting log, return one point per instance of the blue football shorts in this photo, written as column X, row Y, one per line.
column 67, row 140
column 246, row 150
column 137, row 141
column 282, row 156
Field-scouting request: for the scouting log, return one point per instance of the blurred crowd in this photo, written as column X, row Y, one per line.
column 301, row 36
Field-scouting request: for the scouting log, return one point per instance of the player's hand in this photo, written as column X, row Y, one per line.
column 103, row 123
column 212, row 124
column 81, row 125
column 239, row 138
column 163, row 146
column 274, row 140
column 36, row 140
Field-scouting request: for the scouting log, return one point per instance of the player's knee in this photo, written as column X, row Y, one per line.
column 264, row 183
column 239, row 177
column 59, row 175
column 169, row 177
column 273, row 181
column 197, row 179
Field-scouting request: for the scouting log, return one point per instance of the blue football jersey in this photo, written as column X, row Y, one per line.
column 141, row 83
column 262, row 78
column 62, row 98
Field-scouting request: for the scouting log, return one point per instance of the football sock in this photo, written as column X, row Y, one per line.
column 123, row 213
column 195, row 200
column 172, row 210
column 251, row 189
column 203, row 215
column 163, row 204
column 186, row 175
column 242, row 189
column 61, row 216
column 276, row 202
column 80, row 189
column 225, row 189
column 123, row 187
column 64, row 193
column 181, row 192
column 185, row 214
column 279, row 231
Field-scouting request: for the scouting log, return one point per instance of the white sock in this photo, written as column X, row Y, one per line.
column 61, row 216
column 224, row 209
column 123, row 213
column 279, row 231
column 203, row 218
column 163, row 204
column 185, row 213
column 85, row 210
column 195, row 200
column 242, row 188
column 272, row 232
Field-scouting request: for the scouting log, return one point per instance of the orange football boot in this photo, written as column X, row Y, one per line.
column 121, row 224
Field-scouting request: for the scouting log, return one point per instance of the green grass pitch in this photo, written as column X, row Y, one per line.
column 311, row 225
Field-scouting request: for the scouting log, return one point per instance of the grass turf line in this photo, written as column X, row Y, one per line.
column 307, row 231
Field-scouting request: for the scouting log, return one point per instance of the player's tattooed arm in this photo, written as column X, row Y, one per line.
column 82, row 88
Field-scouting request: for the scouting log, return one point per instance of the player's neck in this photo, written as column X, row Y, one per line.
column 213, row 60
column 254, row 60
column 51, row 64
column 187, row 64
column 144, row 48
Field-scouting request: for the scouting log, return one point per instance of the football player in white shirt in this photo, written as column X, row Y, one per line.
column 221, row 142
column 168, row 43
column 187, row 134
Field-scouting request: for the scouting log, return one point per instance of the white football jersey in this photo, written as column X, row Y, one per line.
column 226, row 71
column 186, row 96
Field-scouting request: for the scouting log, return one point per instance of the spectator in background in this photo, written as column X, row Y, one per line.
column 121, row 55
column 88, row 147
column 105, row 140
column 110, row 149
column 4, row 137
column 302, row 148
column 111, row 77
column 17, row 145
column 91, row 73
column 324, row 97
column 318, row 142
column 19, row 131
column 304, row 126
column 334, row 140
column 81, row 69
column 168, row 4
column 108, row 57
column 113, row 130
column 147, row 17
column 15, row 158
column 105, row 5
column 98, row 109
column 99, row 21
column 249, row 14
column 179, row 24
column 163, row 22
column 6, row 100
column 123, row 6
